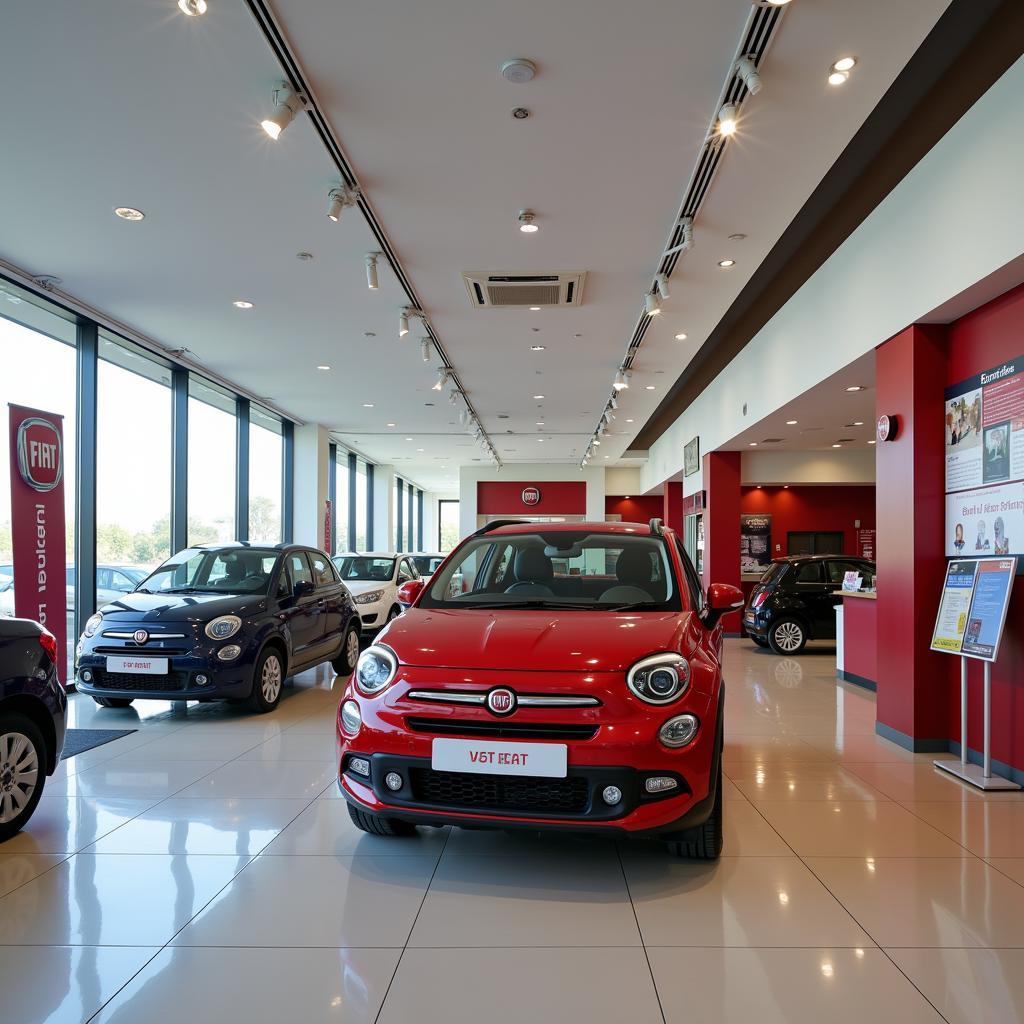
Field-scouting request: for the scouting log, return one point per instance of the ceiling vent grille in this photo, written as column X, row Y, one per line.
column 497, row 291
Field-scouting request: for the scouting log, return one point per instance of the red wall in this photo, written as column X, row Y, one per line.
column 812, row 508
column 978, row 341
column 672, row 506
column 641, row 509
column 722, row 525
column 557, row 498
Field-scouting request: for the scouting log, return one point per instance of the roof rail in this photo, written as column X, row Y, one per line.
column 656, row 527
column 498, row 523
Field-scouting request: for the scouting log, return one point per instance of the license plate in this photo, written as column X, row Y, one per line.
column 144, row 666
column 482, row 757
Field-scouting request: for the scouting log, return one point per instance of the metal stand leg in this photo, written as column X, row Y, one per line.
column 987, row 756
column 963, row 713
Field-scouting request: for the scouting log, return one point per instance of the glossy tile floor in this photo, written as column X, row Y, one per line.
column 204, row 869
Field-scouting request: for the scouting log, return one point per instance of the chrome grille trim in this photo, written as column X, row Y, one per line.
column 480, row 698
column 448, row 696
column 117, row 635
column 558, row 702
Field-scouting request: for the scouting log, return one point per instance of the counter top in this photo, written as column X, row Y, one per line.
column 864, row 595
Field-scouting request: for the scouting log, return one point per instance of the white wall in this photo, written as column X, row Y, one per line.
column 956, row 218
column 808, row 467
column 625, row 480
column 312, row 458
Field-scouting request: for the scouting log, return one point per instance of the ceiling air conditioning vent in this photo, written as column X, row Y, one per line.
column 772, row 440
column 496, row 290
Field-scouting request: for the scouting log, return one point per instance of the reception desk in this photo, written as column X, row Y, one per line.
column 857, row 638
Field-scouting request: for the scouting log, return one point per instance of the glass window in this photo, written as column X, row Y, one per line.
column 266, row 464
column 133, row 462
column 230, row 571
column 298, row 569
column 447, row 524
column 341, row 501
column 211, row 464
column 37, row 369
column 359, row 567
column 808, row 572
column 323, row 571
column 362, row 506
column 427, row 564
column 837, row 570
column 398, row 494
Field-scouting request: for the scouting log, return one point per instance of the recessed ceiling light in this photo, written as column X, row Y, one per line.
column 540, row 439
column 536, row 348
column 680, row 337
column 367, row 405
column 129, row 213
column 791, row 423
column 323, row 366
column 752, row 444
column 858, row 423
column 193, row 8
column 854, row 387
column 535, row 309
column 648, row 387
column 391, row 424
column 242, row 304
column 537, row 398
column 629, row 421
column 838, row 77
column 408, row 439
column 420, row 449
column 540, row 423
column 871, row 442
column 837, row 446
column 844, row 63
column 726, row 264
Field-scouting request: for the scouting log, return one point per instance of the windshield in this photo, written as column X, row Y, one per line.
column 562, row 569
column 229, row 571
column 427, row 565
column 363, row 567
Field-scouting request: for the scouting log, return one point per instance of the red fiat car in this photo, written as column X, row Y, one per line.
column 548, row 675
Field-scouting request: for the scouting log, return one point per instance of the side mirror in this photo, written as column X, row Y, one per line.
column 409, row 592
column 722, row 598
column 302, row 588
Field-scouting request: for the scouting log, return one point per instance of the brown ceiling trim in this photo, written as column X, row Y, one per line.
column 970, row 47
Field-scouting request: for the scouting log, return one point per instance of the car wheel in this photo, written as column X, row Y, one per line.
column 114, row 702
column 377, row 825
column 393, row 614
column 267, row 681
column 22, row 772
column 760, row 643
column 705, row 841
column 787, row 636
column 345, row 663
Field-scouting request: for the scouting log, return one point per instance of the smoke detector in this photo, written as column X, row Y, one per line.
column 518, row 70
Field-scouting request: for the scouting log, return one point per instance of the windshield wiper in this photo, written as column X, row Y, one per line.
column 536, row 603
column 631, row 606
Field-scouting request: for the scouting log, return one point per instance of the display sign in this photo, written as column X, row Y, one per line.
column 866, row 544
column 327, row 524
column 984, row 428
column 973, row 606
column 755, row 543
column 691, row 457
column 37, row 521
column 852, row 580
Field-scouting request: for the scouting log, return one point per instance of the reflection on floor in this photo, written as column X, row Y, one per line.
column 204, row 869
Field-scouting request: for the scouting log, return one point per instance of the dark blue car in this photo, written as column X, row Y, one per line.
column 33, row 708
column 220, row 621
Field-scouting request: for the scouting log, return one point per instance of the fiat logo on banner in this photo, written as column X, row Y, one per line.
column 40, row 458
column 501, row 701
column 531, row 495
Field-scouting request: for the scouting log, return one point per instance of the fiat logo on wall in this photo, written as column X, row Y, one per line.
column 531, row 495
column 40, row 459
column 501, row 701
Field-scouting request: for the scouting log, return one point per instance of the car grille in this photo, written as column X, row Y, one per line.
column 502, row 729
column 499, row 792
column 127, row 650
column 138, row 682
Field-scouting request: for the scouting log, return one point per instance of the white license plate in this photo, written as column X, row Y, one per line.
column 547, row 760
column 144, row 666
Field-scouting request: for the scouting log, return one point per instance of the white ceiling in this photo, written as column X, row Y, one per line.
column 131, row 103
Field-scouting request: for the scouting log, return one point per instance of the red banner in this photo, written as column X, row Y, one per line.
column 37, row 522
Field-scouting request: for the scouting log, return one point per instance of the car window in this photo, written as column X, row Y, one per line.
column 284, row 587
column 808, row 572
column 298, row 568
column 363, row 567
column 693, row 581
column 227, row 571
column 837, row 570
column 322, row 574
column 407, row 571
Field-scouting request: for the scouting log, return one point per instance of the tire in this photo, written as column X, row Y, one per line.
column 393, row 614
column 377, row 825
column 267, row 681
column 345, row 663
column 760, row 643
column 705, row 841
column 787, row 636
column 114, row 702
column 23, row 760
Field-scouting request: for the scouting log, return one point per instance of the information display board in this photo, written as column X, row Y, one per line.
column 972, row 610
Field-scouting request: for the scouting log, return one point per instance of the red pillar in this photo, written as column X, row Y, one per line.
column 722, row 524
column 910, row 372
column 672, row 514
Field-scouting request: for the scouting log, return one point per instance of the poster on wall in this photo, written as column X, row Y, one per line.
column 866, row 544
column 37, row 521
column 984, row 435
column 691, row 457
column 972, row 609
column 755, row 543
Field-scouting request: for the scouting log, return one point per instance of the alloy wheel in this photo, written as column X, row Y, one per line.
column 352, row 647
column 789, row 636
column 270, row 679
column 19, row 774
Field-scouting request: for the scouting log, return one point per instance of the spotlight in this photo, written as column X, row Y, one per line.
column 193, row 8
column 425, row 349
column 844, row 64
column 403, row 323
column 371, row 270
column 726, row 264
column 596, row 440
column 661, row 282
column 686, row 223
column 839, row 72
column 651, row 304
column 453, row 396
column 341, row 198
column 286, row 105
column 748, row 75
column 442, row 379
column 526, row 221
column 129, row 213
column 621, row 380
column 463, row 416
column 614, row 402
column 728, row 118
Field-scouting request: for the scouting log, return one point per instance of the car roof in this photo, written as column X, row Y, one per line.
column 528, row 527
column 821, row 558
column 367, row 554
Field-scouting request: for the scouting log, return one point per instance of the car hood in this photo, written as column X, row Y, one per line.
column 138, row 607
column 365, row 586
column 527, row 640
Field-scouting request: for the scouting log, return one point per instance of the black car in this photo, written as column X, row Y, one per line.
column 220, row 621
column 795, row 600
column 33, row 708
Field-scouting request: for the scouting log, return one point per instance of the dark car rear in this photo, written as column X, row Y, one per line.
column 795, row 600
column 33, row 706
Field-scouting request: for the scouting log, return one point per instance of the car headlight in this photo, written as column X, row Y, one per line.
column 369, row 598
column 659, row 678
column 92, row 624
column 223, row 627
column 375, row 669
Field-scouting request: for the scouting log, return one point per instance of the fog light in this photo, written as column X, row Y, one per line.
column 351, row 719
column 393, row 781
column 202, row 679
column 611, row 795
column 660, row 784
column 229, row 653
column 359, row 765
column 678, row 731
column 86, row 675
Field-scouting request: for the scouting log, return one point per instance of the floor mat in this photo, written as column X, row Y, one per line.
column 78, row 740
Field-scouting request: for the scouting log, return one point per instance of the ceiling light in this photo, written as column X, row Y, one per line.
column 403, row 323
column 854, row 387
column 286, row 105
column 341, row 197
column 752, row 444
column 621, row 380
column 453, row 396
column 323, row 367
column 420, row 449
column 614, row 403
column 371, row 270
column 661, row 283
column 536, row 348
column 596, row 440
column 838, row 77
column 367, row 405
column 680, row 337
column 726, row 264
column 728, row 119
column 791, row 423
column 518, row 70
column 193, row 8
column 540, row 440
column 425, row 349
column 391, row 424
column 858, row 423
column 648, row 387
column 629, row 421
column 129, row 213
column 442, row 379
column 540, row 423
column 748, row 75
column 242, row 304
column 871, row 442
column 526, row 222
column 837, row 446
column 651, row 304
column 408, row 439
column 538, row 398
column 844, row 64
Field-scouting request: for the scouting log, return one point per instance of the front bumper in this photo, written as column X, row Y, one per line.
column 373, row 616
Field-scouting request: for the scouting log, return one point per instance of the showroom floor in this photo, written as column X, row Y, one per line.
column 204, row 869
